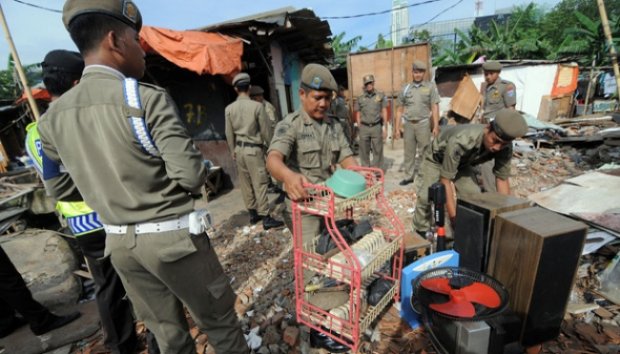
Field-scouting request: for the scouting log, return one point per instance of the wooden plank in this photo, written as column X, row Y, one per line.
column 391, row 67
column 83, row 274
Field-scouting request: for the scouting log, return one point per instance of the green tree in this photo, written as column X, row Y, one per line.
column 342, row 48
column 518, row 38
column 7, row 85
column 563, row 16
column 463, row 53
column 383, row 43
column 587, row 42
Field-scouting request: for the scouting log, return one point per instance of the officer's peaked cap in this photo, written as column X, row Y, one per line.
column 256, row 90
column 123, row 10
column 492, row 66
column 368, row 79
column 509, row 124
column 318, row 77
column 419, row 65
column 241, row 79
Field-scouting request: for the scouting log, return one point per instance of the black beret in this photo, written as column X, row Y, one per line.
column 64, row 61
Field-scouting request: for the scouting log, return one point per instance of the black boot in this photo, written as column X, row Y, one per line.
column 254, row 217
column 320, row 340
column 10, row 327
column 406, row 181
column 270, row 223
column 55, row 322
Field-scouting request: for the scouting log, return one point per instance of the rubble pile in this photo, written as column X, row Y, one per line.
column 540, row 169
column 591, row 323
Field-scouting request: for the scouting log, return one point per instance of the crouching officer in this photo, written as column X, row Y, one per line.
column 61, row 71
column 248, row 132
column 451, row 156
column 371, row 116
column 125, row 148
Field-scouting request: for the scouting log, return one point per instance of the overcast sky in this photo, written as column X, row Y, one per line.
column 36, row 31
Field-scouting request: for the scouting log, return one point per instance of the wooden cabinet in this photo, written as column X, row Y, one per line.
column 535, row 254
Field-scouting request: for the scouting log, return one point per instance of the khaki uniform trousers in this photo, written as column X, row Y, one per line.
column 164, row 271
column 487, row 176
column 465, row 182
column 371, row 139
column 253, row 178
column 311, row 226
column 417, row 137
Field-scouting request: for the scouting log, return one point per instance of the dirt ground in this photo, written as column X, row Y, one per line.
column 260, row 263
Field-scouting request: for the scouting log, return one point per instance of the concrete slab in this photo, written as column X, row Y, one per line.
column 23, row 341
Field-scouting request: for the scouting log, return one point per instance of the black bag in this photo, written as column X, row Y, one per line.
column 377, row 290
column 326, row 243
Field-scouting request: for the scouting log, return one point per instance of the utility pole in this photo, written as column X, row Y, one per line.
column 20, row 69
column 610, row 43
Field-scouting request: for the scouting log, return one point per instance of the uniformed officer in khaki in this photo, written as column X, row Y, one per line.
column 451, row 157
column 371, row 117
column 257, row 94
column 248, row 132
column 339, row 109
column 126, row 149
column 498, row 93
column 419, row 104
column 308, row 144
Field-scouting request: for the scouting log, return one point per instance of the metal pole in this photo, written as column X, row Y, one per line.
column 18, row 66
column 610, row 43
column 587, row 100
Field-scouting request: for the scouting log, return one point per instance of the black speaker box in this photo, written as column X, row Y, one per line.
column 475, row 217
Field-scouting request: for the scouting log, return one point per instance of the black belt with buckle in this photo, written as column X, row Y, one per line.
column 244, row 144
column 372, row 124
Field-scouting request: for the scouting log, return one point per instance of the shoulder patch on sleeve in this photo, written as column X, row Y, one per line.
column 282, row 129
column 151, row 86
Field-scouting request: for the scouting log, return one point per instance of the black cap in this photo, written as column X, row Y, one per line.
column 62, row 61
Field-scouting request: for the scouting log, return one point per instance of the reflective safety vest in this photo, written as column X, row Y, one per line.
column 33, row 146
column 80, row 217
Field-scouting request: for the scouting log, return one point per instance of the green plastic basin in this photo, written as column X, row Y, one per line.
column 346, row 183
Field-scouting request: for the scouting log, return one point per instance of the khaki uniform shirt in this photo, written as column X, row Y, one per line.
column 273, row 115
column 461, row 146
column 87, row 131
column 339, row 109
column 370, row 105
column 247, row 121
column 309, row 146
column 502, row 94
column 418, row 99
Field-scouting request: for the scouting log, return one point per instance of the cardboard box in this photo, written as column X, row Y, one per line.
column 466, row 99
column 554, row 107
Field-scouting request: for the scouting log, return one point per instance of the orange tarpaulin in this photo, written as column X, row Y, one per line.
column 37, row 93
column 201, row 52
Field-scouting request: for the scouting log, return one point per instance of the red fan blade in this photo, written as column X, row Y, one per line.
column 482, row 294
column 438, row 285
column 458, row 306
